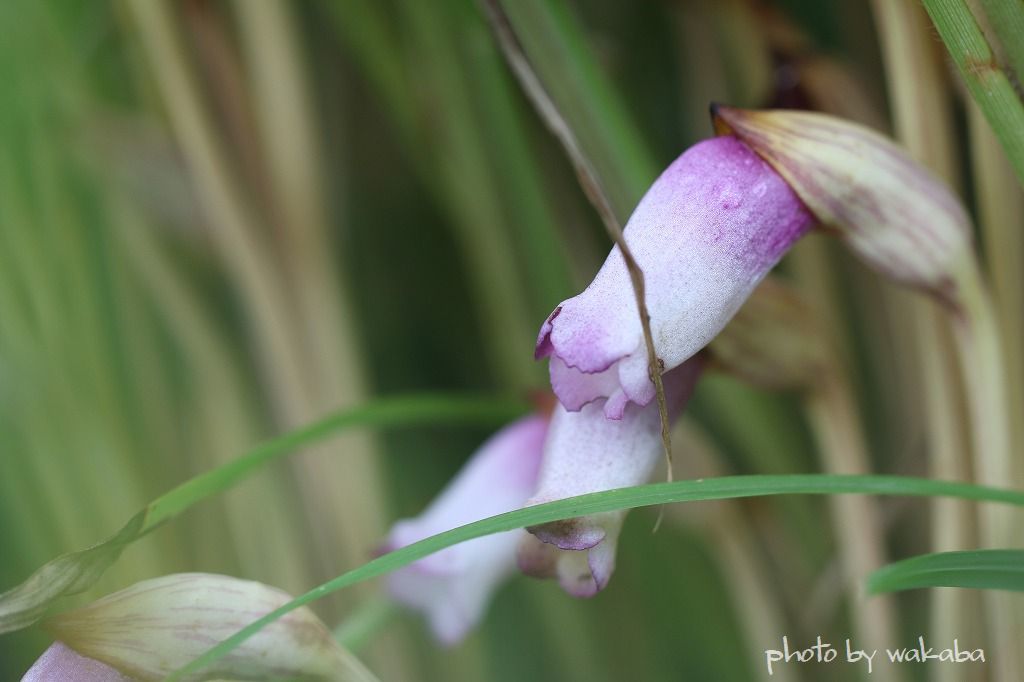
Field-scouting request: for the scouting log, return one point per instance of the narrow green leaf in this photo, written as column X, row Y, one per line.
column 988, row 569
column 75, row 572
column 727, row 487
column 985, row 77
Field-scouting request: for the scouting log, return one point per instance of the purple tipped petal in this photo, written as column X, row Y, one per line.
column 453, row 586
column 61, row 663
column 586, row 452
column 708, row 230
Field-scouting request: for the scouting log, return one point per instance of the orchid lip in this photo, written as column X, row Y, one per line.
column 546, row 348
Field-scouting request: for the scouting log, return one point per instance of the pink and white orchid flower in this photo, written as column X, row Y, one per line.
column 705, row 234
column 722, row 215
column 453, row 586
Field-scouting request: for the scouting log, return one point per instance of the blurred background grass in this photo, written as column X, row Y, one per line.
column 220, row 220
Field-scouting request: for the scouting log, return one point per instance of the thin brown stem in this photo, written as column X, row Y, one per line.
column 592, row 187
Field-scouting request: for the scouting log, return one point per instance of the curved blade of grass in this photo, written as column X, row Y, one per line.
column 75, row 572
column 727, row 487
column 988, row 569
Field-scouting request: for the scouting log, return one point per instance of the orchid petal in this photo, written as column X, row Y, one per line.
column 453, row 586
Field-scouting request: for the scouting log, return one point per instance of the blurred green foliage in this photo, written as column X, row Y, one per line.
column 132, row 354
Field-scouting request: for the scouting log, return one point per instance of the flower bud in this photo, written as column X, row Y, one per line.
column 774, row 341
column 157, row 626
column 586, row 452
column 899, row 218
column 452, row 587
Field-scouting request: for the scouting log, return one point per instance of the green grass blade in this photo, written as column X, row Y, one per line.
column 728, row 487
column 989, row 569
column 77, row 571
column 986, row 80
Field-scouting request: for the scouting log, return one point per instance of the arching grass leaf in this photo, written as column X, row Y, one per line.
column 727, row 487
column 75, row 572
column 988, row 569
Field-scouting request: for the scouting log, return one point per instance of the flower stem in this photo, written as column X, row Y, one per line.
column 923, row 122
column 978, row 344
column 981, row 358
column 593, row 187
column 1000, row 217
